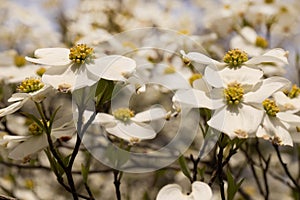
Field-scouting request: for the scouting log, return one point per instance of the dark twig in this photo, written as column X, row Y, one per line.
column 286, row 170
column 117, row 183
column 195, row 167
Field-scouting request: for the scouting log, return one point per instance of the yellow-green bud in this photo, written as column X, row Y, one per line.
column 40, row 71
column 261, row 42
column 19, row 60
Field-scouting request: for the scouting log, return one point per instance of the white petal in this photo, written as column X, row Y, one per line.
column 289, row 118
column 171, row 81
column 265, row 89
column 11, row 108
column 170, row 192
column 134, row 130
column 202, row 84
column 196, row 99
column 40, row 95
column 273, row 56
column 285, row 103
column 65, row 130
column 201, row 190
column 13, row 138
column 278, row 53
column 213, row 77
column 66, row 79
column 203, row 59
column 243, row 75
column 239, row 121
column 112, row 67
column 249, row 34
column 131, row 130
column 279, row 130
column 84, row 78
column 105, row 120
column 18, row 97
column 28, row 147
column 150, row 115
column 116, row 132
column 51, row 56
column 281, row 98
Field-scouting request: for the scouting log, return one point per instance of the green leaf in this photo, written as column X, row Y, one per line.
column 201, row 171
column 232, row 186
column 104, row 91
column 84, row 172
column 53, row 117
column 184, row 168
column 53, row 164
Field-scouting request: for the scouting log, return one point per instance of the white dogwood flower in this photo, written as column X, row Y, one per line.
column 22, row 146
column 29, row 89
column 288, row 101
column 275, row 124
column 234, row 97
column 125, row 124
column 77, row 67
column 200, row 190
column 236, row 58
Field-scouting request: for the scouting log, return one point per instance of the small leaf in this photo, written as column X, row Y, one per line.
column 184, row 168
column 232, row 186
column 104, row 91
column 201, row 171
column 53, row 116
column 84, row 172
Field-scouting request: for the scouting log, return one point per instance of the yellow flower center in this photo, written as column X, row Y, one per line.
column 270, row 107
column 234, row 93
column 40, row 71
column 234, row 58
column 30, row 85
column 194, row 77
column 294, row 92
column 269, row 1
column 34, row 129
column 123, row 114
column 169, row 70
column 19, row 60
column 81, row 53
column 261, row 42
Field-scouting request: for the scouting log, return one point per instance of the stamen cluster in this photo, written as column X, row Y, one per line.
column 34, row 129
column 123, row 114
column 270, row 107
column 234, row 58
column 234, row 93
column 294, row 92
column 30, row 85
column 80, row 53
